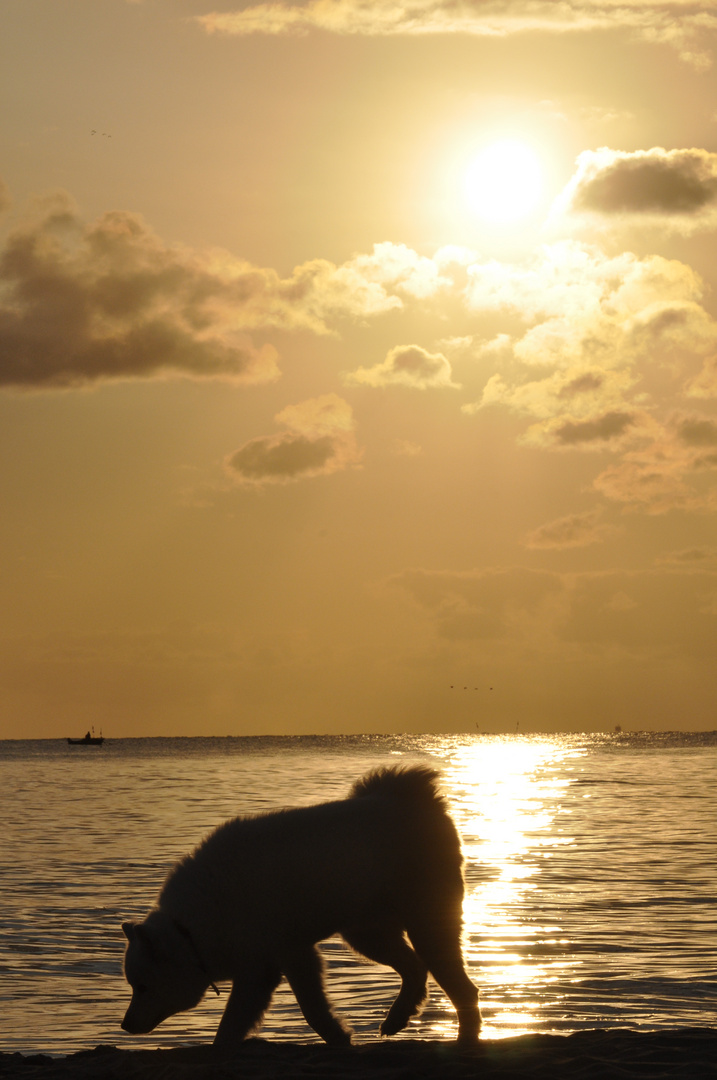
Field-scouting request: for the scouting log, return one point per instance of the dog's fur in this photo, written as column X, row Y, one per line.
column 253, row 900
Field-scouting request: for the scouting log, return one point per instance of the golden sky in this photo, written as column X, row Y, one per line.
column 358, row 366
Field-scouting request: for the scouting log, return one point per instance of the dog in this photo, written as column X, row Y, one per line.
column 383, row 868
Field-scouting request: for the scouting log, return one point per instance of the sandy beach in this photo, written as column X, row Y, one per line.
column 584, row 1055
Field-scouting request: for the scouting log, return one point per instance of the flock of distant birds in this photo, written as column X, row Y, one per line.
column 102, row 133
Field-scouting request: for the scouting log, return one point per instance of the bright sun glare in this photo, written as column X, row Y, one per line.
column 503, row 183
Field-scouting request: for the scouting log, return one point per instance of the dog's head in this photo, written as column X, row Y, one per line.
column 161, row 972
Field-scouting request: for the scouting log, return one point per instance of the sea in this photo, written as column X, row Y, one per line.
column 590, row 866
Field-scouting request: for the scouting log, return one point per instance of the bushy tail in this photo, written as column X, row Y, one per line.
column 416, row 783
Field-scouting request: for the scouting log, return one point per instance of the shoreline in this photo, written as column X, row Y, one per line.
column 583, row 1055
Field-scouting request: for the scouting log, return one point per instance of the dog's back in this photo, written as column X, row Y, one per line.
column 390, row 844
column 417, row 783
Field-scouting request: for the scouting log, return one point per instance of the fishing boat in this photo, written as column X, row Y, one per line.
column 90, row 739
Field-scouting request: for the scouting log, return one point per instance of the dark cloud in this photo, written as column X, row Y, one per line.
column 493, row 603
column 600, row 429
column 575, row 530
column 696, row 431
column 282, row 457
column 690, row 556
column 665, row 610
column 636, row 611
column 666, row 183
column 320, row 440
column 581, row 384
column 407, row 365
column 112, row 300
column 5, row 200
column 638, row 186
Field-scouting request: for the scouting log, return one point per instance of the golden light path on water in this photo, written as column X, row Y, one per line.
column 506, row 800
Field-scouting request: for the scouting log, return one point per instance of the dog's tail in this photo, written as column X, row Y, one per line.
column 417, row 783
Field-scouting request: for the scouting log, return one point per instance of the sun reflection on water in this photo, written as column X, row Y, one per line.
column 507, row 797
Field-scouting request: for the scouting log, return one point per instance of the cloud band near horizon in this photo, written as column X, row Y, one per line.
column 679, row 24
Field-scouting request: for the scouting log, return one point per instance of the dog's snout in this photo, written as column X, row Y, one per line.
column 127, row 1025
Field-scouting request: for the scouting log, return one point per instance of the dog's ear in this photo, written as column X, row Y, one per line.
column 138, row 932
column 148, row 943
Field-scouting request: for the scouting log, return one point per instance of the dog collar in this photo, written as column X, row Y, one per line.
column 193, row 945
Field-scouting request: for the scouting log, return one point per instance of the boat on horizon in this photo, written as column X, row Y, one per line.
column 90, row 739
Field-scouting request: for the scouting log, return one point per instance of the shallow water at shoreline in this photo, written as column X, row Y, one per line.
column 589, row 870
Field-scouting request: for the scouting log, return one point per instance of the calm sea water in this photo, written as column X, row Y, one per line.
column 590, row 868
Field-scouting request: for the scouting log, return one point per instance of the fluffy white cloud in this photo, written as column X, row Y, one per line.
column 396, row 266
column 319, row 440
column 590, row 318
column 570, row 284
column 609, row 345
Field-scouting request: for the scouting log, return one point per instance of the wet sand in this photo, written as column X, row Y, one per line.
column 688, row 1053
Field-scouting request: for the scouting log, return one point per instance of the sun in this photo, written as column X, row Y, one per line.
column 503, row 184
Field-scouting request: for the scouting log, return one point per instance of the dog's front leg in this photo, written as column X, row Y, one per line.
column 304, row 970
column 249, row 999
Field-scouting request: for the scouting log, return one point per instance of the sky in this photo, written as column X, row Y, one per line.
column 358, row 366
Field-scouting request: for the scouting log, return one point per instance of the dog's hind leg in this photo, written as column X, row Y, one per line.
column 437, row 940
column 387, row 945
column 249, row 999
column 304, row 971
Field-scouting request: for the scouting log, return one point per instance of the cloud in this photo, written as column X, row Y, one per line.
column 5, row 198
column 562, row 399
column 661, row 611
column 611, row 425
column 601, row 347
column 675, row 187
column 704, row 385
column 396, row 266
column 82, row 303
column 493, row 603
column 596, row 331
column 690, row 556
column 575, row 530
column 634, row 612
column 407, row 365
column 610, row 430
column 111, row 300
column 320, row 440
column 675, row 469
column 579, row 291
column 679, row 24
column 583, row 383
column 406, row 448
column 696, row 431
